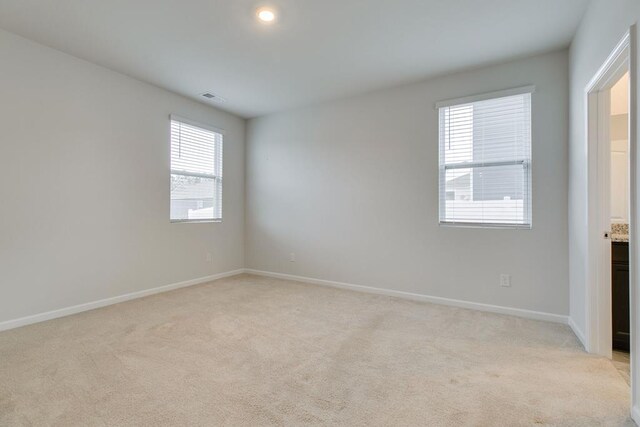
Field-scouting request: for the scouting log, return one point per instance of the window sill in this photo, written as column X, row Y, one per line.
column 194, row 221
column 487, row 225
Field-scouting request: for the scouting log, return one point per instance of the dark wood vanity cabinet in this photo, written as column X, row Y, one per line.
column 620, row 294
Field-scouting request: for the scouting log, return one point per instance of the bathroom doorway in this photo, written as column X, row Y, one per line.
column 619, row 202
column 611, row 296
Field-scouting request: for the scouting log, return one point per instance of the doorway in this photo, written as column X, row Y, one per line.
column 611, row 138
column 619, row 196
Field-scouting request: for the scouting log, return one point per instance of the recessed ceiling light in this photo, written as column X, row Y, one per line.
column 266, row 15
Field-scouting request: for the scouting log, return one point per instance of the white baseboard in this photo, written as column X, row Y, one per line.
column 578, row 332
column 529, row 314
column 635, row 415
column 41, row 317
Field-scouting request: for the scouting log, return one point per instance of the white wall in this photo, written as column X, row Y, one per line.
column 619, row 134
column 603, row 26
column 84, row 199
column 619, row 197
column 351, row 187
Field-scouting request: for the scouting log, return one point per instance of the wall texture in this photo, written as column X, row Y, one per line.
column 84, row 213
column 351, row 187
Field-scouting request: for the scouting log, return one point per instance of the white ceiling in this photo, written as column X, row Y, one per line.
column 317, row 50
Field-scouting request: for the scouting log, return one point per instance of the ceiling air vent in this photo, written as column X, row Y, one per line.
column 213, row 97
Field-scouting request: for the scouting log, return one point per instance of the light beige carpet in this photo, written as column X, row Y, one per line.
column 255, row 351
column 622, row 362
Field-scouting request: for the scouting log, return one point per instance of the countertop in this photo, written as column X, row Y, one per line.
column 619, row 232
column 615, row 237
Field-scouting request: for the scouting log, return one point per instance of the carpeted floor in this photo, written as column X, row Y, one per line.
column 622, row 362
column 256, row 351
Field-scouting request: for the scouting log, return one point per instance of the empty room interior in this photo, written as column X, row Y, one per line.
column 295, row 212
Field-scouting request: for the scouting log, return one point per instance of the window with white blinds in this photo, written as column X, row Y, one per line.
column 196, row 172
column 485, row 161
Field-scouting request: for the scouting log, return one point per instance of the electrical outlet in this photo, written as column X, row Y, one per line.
column 505, row 280
column 209, row 257
column 292, row 257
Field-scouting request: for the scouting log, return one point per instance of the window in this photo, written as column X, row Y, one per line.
column 485, row 160
column 196, row 172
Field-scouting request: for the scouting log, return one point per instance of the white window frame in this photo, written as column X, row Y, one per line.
column 217, row 178
column 442, row 167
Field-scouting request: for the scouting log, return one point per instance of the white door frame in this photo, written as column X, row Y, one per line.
column 598, row 286
column 598, row 333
